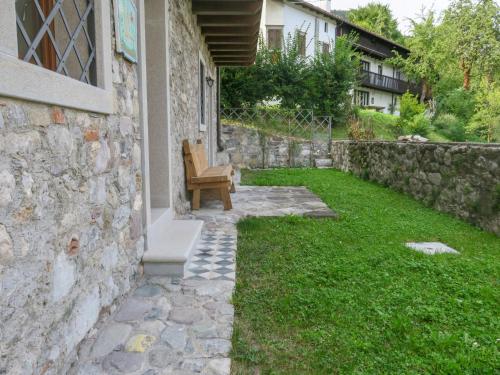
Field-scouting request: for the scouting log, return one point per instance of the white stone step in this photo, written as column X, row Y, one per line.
column 323, row 163
column 170, row 247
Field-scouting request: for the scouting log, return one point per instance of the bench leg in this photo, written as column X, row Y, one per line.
column 233, row 189
column 196, row 199
column 226, row 198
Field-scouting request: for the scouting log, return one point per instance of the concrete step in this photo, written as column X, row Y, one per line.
column 323, row 163
column 171, row 245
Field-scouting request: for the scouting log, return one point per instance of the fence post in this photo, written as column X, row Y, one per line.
column 330, row 136
column 311, row 145
column 289, row 138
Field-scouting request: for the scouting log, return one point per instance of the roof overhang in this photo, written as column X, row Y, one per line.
column 230, row 28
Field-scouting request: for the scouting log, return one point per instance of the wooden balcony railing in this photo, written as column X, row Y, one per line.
column 386, row 83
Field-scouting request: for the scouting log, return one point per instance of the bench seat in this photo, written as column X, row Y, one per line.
column 200, row 176
column 214, row 174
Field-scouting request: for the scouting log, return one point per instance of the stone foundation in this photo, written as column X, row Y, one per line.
column 461, row 179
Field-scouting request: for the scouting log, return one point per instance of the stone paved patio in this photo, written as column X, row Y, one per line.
column 184, row 326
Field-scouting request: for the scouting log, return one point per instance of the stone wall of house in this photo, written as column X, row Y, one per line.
column 249, row 148
column 461, row 179
column 70, row 223
column 186, row 47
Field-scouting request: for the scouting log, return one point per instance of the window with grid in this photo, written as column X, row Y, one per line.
column 361, row 98
column 301, row 43
column 274, row 37
column 326, row 48
column 58, row 35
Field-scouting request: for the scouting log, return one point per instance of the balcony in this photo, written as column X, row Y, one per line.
column 386, row 83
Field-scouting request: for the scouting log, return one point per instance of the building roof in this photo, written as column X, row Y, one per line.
column 358, row 29
column 231, row 29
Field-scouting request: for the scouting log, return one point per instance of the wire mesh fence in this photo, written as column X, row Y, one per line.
column 300, row 126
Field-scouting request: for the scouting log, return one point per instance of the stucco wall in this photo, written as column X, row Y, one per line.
column 186, row 47
column 293, row 18
column 70, row 222
column 461, row 179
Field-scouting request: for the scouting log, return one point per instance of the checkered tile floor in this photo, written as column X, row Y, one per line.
column 214, row 258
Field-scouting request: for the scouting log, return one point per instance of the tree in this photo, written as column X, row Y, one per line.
column 322, row 83
column 244, row 87
column 377, row 18
column 424, row 62
column 474, row 37
column 485, row 124
column 331, row 77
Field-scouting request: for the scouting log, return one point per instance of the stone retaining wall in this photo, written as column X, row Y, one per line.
column 249, row 148
column 461, row 179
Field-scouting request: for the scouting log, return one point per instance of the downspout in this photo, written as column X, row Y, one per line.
column 220, row 145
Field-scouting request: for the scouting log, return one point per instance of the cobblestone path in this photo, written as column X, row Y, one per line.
column 184, row 326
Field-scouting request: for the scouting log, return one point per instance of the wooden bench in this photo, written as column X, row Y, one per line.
column 200, row 176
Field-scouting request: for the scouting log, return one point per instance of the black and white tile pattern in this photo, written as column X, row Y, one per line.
column 214, row 257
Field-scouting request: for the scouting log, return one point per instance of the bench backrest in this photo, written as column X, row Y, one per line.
column 195, row 158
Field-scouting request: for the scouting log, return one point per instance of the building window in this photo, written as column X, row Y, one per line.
column 326, row 27
column 301, row 43
column 59, row 36
column 398, row 74
column 326, row 48
column 361, row 98
column 274, row 37
column 380, row 69
column 202, row 95
column 365, row 66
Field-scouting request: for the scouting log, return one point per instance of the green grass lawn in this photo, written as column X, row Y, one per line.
column 347, row 297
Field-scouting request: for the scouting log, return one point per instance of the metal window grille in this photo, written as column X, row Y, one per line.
column 58, row 35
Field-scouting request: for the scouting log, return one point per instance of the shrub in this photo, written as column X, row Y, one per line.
column 419, row 124
column 450, row 126
column 409, row 108
column 411, row 117
column 360, row 131
column 459, row 102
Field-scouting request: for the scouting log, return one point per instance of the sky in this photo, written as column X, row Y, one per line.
column 402, row 9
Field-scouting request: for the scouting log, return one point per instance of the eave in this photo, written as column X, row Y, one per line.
column 230, row 28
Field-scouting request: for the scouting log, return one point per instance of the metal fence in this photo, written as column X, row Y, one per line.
column 300, row 126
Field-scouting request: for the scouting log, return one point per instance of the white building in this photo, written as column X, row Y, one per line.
column 317, row 27
column 283, row 19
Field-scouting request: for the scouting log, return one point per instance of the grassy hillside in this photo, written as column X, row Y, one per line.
column 383, row 127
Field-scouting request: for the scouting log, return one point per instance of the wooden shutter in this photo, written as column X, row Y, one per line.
column 301, row 43
column 326, row 48
column 274, row 37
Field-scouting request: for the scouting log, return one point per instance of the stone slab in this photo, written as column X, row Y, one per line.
column 431, row 248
